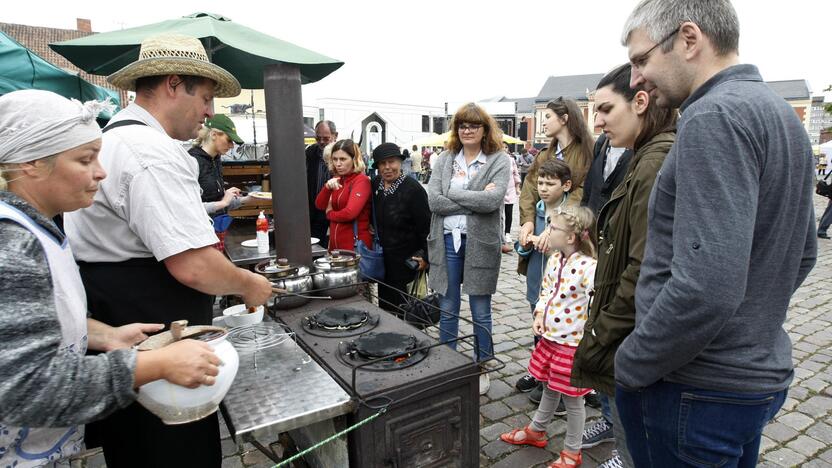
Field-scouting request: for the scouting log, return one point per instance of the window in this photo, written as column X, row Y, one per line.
column 425, row 124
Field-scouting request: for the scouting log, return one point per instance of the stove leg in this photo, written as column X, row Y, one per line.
column 262, row 448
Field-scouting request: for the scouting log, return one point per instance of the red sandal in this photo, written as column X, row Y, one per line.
column 564, row 455
column 529, row 437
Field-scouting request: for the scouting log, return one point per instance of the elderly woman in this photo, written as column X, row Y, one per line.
column 466, row 194
column 402, row 218
column 344, row 198
column 48, row 388
column 216, row 138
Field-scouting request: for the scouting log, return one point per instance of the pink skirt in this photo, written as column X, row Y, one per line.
column 552, row 363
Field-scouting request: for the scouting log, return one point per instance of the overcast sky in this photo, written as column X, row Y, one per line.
column 429, row 51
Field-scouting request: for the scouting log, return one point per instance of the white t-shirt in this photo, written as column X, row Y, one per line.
column 149, row 204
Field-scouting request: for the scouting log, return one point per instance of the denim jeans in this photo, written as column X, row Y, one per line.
column 480, row 304
column 670, row 424
column 825, row 219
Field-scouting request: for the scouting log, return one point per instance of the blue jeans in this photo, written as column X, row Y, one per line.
column 480, row 304
column 825, row 219
column 670, row 424
column 606, row 412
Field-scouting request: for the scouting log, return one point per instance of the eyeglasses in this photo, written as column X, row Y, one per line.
column 469, row 128
column 641, row 60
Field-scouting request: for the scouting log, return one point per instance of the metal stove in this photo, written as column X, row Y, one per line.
column 430, row 392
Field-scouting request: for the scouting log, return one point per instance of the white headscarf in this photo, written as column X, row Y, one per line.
column 35, row 124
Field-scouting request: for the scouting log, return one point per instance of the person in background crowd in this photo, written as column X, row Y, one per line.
column 407, row 164
column 147, row 231
column 572, row 143
column 524, row 161
column 466, row 195
column 825, row 221
column 215, row 138
column 402, row 223
column 512, row 191
column 416, row 160
column 344, row 198
column 48, row 387
column 730, row 237
column 630, row 120
column 317, row 173
column 605, row 174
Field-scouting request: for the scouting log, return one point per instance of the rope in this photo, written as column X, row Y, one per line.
column 329, row 439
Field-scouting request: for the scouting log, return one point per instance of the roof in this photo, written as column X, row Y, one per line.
column 37, row 39
column 524, row 105
column 790, row 90
column 572, row 86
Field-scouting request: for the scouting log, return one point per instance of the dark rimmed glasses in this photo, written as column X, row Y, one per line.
column 641, row 60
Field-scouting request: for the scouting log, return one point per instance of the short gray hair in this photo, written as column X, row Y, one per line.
column 659, row 18
column 329, row 124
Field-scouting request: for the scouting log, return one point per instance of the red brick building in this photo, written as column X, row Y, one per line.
column 38, row 38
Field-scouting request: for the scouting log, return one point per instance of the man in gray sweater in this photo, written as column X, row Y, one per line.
column 731, row 236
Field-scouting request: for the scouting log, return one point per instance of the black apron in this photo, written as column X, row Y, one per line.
column 142, row 290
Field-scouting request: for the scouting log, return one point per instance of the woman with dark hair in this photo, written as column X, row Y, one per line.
column 630, row 119
column 344, row 198
column 466, row 194
column 572, row 143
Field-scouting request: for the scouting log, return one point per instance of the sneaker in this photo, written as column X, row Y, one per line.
column 526, row 383
column 485, row 384
column 597, row 434
column 592, row 400
column 536, row 394
column 614, row 462
column 823, row 235
column 508, row 239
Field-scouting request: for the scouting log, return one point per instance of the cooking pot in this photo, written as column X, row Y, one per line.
column 175, row 404
column 294, row 279
column 337, row 273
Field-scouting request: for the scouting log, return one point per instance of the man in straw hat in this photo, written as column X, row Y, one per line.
column 145, row 245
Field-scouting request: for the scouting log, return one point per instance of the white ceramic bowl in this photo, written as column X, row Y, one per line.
column 175, row 404
column 244, row 318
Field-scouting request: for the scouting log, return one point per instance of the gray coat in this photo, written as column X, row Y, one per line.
column 483, row 210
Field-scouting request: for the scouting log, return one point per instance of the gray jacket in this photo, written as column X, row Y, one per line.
column 730, row 236
column 483, row 210
column 40, row 386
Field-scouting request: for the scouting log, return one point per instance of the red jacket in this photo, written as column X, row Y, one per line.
column 349, row 203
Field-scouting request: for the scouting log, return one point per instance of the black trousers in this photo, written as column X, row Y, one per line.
column 142, row 290
column 509, row 213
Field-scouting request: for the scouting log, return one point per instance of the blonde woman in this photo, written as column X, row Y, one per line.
column 216, row 138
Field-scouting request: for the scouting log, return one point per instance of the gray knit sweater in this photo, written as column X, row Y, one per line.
column 40, row 386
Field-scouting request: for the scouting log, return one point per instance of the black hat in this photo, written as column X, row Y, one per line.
column 384, row 151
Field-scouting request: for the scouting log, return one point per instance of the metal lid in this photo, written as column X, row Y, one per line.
column 337, row 259
column 279, row 268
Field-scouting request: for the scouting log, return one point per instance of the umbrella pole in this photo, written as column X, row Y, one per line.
column 284, row 123
column 253, row 123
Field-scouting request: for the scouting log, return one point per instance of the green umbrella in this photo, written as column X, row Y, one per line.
column 20, row 68
column 242, row 51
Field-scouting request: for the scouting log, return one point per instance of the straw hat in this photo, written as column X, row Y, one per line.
column 174, row 54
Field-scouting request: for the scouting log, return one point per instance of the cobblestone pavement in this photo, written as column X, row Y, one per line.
column 800, row 435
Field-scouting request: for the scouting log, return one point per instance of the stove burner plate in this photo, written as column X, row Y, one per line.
column 371, row 346
column 339, row 322
column 379, row 345
column 340, row 318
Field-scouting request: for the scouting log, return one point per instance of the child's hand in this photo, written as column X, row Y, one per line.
column 542, row 242
column 538, row 328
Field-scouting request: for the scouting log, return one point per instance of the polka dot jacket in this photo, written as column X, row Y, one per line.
column 565, row 294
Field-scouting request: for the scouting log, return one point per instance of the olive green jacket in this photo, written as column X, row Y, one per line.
column 622, row 234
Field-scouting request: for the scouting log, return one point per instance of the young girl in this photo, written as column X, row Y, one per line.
column 559, row 319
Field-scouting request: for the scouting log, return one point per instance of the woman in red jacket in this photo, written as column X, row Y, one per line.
column 346, row 197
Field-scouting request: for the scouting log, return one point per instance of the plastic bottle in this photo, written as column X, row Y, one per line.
column 262, row 234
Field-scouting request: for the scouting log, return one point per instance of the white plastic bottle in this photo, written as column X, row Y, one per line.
column 262, row 234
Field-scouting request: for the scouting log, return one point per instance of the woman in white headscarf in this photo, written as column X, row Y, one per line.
column 48, row 388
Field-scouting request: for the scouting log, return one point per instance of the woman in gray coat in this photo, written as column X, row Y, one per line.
column 465, row 195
